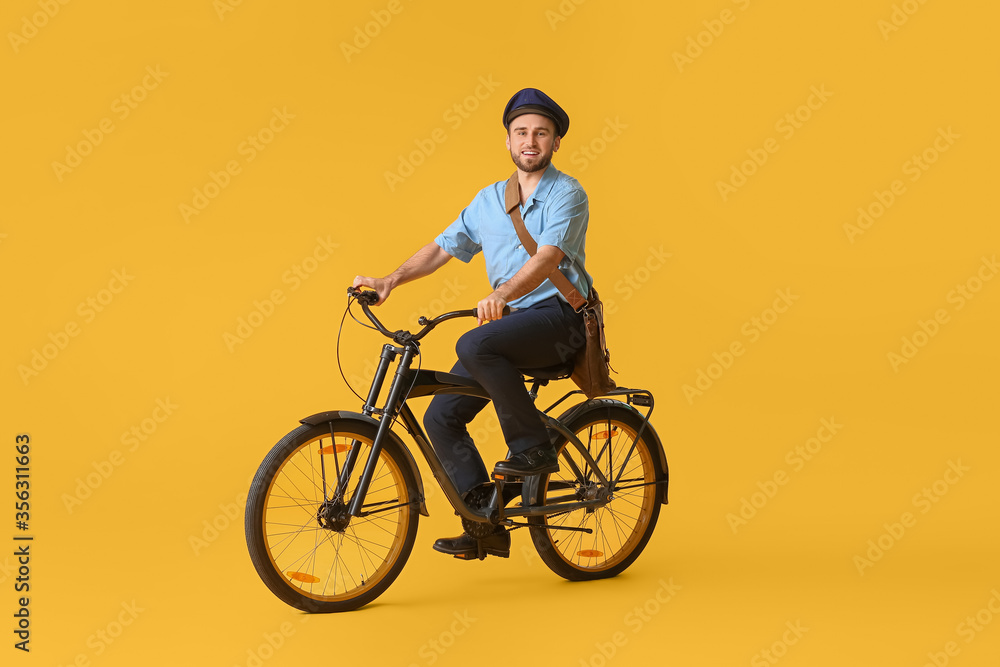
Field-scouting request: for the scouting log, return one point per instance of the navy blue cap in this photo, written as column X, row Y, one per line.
column 532, row 100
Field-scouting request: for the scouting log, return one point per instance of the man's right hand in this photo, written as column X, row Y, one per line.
column 381, row 286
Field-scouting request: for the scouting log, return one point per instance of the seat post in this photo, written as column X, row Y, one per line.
column 535, row 384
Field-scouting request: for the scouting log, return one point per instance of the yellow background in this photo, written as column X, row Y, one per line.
column 661, row 137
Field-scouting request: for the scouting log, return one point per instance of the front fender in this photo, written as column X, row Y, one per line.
column 333, row 415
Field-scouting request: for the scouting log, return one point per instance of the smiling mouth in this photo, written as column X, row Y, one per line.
column 529, row 153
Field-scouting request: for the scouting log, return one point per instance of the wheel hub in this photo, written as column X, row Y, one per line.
column 332, row 515
column 588, row 491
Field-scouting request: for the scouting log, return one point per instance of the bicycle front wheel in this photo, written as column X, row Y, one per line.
column 621, row 528
column 304, row 546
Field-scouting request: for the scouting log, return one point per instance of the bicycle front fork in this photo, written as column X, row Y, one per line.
column 388, row 414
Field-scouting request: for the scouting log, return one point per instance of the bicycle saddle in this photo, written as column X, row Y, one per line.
column 556, row 372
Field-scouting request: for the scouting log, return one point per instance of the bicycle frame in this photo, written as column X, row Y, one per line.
column 407, row 384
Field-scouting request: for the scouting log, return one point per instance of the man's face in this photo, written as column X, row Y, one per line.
column 531, row 140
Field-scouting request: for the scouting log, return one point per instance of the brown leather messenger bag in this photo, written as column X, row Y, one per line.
column 591, row 364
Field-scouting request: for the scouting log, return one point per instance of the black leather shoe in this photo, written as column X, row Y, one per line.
column 467, row 547
column 535, row 461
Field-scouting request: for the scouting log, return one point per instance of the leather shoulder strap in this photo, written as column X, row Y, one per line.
column 512, row 200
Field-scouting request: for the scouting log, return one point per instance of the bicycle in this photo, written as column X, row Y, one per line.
column 332, row 512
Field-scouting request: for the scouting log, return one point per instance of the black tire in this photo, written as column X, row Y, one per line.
column 322, row 569
column 623, row 526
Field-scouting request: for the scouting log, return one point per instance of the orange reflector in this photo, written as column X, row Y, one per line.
column 303, row 577
column 590, row 553
column 604, row 435
column 340, row 449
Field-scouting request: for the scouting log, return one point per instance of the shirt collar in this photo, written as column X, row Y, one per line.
column 545, row 183
column 544, row 186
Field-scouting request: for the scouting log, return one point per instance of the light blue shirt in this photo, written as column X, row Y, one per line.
column 555, row 214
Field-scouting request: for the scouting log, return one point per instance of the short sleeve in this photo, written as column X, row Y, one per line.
column 461, row 238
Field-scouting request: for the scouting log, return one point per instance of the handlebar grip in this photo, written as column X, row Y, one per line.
column 368, row 297
column 506, row 311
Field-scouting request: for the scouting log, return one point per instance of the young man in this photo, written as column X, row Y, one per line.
column 542, row 329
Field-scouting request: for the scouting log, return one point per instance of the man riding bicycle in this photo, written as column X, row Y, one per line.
column 542, row 330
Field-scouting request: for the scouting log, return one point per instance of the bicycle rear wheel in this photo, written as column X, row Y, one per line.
column 304, row 546
column 623, row 526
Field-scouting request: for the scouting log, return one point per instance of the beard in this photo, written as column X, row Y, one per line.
column 540, row 165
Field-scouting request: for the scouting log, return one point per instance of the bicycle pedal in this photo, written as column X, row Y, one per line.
column 513, row 478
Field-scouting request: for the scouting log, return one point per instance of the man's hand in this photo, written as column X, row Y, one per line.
column 491, row 308
column 380, row 285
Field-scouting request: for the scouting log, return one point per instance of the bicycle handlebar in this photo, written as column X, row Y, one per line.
column 368, row 298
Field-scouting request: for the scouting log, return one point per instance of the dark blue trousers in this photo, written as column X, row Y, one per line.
column 494, row 354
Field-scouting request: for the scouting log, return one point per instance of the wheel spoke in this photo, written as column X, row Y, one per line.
column 620, row 527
